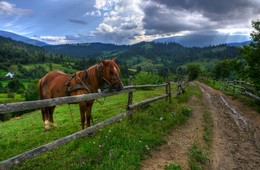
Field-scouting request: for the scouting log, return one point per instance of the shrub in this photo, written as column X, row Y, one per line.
column 193, row 70
column 31, row 92
column 14, row 85
column 147, row 78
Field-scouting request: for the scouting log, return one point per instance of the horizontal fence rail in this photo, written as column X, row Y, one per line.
column 238, row 86
column 20, row 106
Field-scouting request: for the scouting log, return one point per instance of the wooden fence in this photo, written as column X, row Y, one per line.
column 20, row 106
column 238, row 86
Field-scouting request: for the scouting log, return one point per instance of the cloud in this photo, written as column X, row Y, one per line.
column 171, row 17
column 130, row 21
column 93, row 13
column 7, row 8
column 122, row 22
column 78, row 21
column 52, row 39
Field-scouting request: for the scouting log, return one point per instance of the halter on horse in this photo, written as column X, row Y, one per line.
column 58, row 84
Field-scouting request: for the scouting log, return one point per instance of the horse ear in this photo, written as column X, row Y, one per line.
column 103, row 61
column 114, row 59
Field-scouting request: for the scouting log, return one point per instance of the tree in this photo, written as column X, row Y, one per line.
column 193, row 70
column 221, row 69
column 251, row 54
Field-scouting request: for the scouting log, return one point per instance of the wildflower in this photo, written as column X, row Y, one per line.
column 110, row 153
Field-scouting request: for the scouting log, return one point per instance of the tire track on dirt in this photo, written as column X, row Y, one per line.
column 236, row 135
column 235, row 140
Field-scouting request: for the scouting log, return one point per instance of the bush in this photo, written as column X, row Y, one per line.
column 147, row 78
column 31, row 92
column 193, row 70
column 14, row 85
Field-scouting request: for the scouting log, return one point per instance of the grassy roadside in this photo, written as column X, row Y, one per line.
column 119, row 146
column 199, row 155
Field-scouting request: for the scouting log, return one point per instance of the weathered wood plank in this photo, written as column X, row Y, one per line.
column 252, row 95
column 133, row 106
column 145, row 86
column 20, row 106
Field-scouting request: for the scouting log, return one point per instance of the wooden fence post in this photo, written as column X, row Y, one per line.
column 169, row 90
column 178, row 87
column 234, row 86
column 130, row 97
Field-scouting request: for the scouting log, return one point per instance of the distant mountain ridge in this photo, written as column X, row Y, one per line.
column 87, row 50
column 201, row 40
column 239, row 44
column 17, row 37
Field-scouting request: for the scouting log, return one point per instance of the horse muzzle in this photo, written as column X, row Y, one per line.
column 119, row 87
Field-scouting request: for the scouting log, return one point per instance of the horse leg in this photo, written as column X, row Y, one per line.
column 45, row 118
column 88, row 112
column 51, row 110
column 82, row 107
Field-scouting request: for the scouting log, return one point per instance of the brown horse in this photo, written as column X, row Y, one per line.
column 58, row 84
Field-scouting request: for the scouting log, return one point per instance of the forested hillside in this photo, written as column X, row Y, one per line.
column 142, row 56
column 86, row 50
column 17, row 52
column 29, row 61
column 150, row 55
column 146, row 55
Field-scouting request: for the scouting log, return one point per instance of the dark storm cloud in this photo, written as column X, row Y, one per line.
column 78, row 21
column 211, row 7
column 173, row 16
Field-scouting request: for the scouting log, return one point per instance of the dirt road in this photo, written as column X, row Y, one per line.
column 236, row 135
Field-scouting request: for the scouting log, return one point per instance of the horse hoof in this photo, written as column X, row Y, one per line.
column 53, row 125
column 46, row 130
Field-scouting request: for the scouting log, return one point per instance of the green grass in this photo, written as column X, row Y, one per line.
column 208, row 124
column 172, row 166
column 118, row 146
column 4, row 98
column 197, row 158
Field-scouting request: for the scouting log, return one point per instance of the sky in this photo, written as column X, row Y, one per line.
column 127, row 21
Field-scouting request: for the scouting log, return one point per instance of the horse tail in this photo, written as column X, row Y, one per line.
column 40, row 88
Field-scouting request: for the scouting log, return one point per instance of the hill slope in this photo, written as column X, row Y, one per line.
column 86, row 50
column 21, row 38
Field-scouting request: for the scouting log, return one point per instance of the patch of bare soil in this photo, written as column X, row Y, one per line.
column 236, row 135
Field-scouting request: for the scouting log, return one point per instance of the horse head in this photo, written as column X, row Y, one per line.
column 110, row 74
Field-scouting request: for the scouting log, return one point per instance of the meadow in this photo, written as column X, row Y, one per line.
column 118, row 146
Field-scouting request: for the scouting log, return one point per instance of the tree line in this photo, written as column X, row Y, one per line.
column 246, row 65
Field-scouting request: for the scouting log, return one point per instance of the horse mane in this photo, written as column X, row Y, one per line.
column 92, row 71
